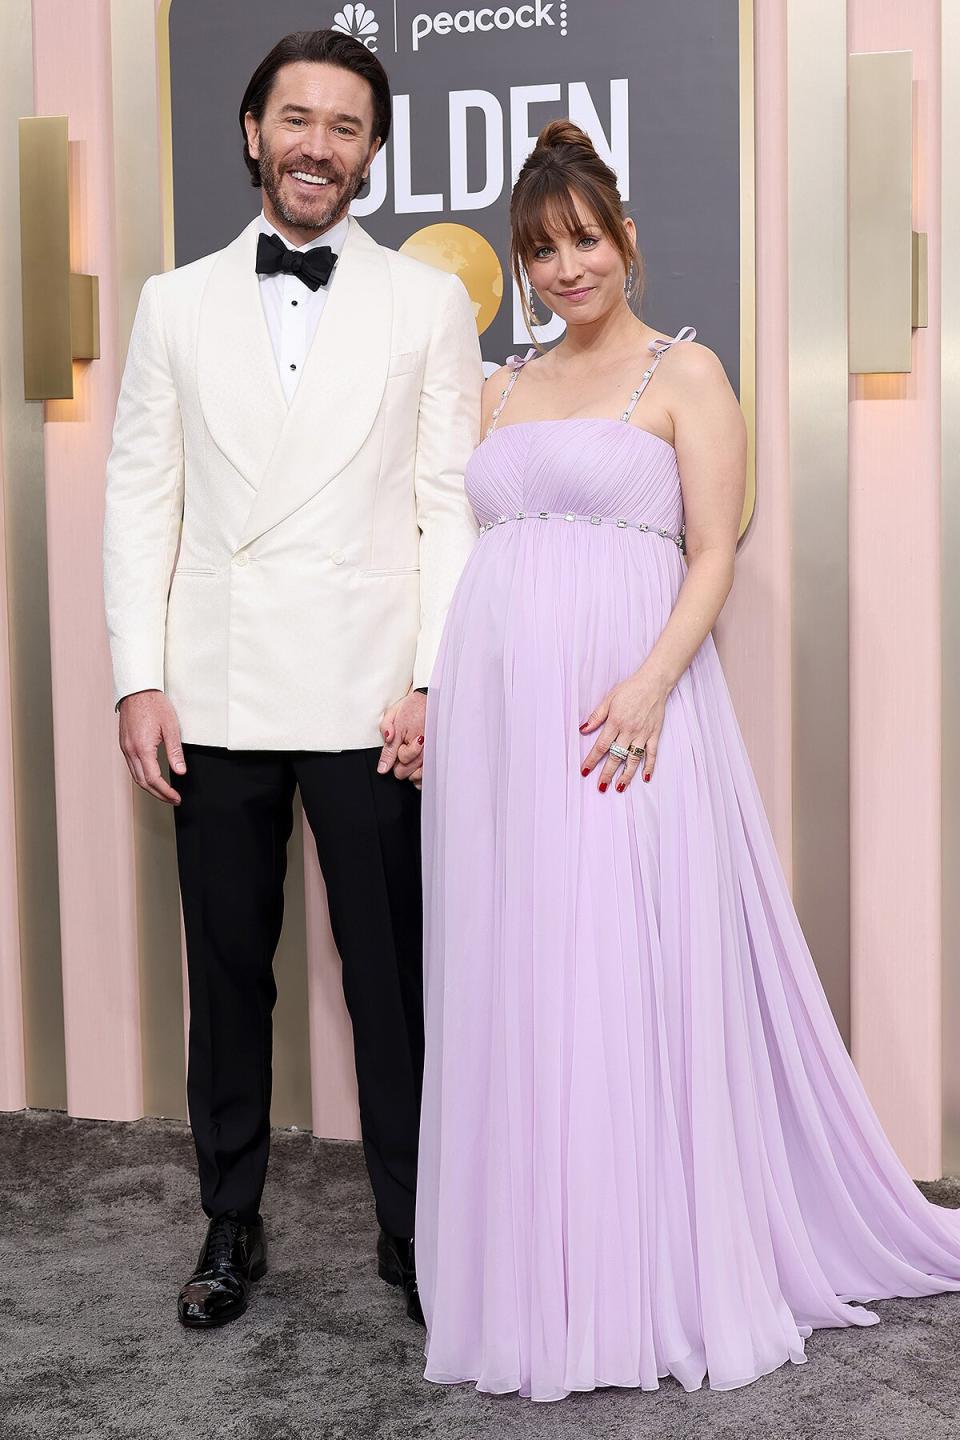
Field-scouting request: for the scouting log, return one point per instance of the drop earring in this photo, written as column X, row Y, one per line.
column 628, row 283
column 531, row 301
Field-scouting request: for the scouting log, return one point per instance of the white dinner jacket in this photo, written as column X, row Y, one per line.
column 283, row 573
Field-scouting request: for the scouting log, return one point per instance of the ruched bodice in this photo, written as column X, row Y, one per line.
column 589, row 466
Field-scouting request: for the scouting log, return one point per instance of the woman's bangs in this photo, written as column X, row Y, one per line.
column 548, row 209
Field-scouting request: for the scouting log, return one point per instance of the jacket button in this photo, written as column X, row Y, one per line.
column 241, row 558
column 337, row 556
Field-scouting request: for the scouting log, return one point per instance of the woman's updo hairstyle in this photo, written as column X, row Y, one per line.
column 564, row 166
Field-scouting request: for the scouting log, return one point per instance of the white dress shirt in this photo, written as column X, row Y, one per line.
column 292, row 309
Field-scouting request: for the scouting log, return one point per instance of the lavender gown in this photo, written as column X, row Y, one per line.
column 644, row 1149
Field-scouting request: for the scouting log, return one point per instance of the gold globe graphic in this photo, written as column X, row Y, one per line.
column 461, row 251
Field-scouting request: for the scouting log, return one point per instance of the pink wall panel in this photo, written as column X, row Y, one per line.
column 12, row 1078
column 753, row 633
column 895, row 667
column 94, row 813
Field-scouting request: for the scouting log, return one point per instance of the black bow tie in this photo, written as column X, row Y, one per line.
column 313, row 267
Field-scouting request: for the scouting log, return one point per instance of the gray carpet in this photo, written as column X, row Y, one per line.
column 99, row 1224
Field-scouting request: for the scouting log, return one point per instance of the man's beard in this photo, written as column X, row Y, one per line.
column 307, row 214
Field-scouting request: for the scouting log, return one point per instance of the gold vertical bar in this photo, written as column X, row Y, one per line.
column 45, row 258
column 748, row 257
column 880, row 181
column 818, row 388
column 165, row 98
column 950, row 575
column 85, row 317
column 137, row 168
column 918, row 318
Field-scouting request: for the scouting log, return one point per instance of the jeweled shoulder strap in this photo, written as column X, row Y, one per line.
column 659, row 349
column 515, row 364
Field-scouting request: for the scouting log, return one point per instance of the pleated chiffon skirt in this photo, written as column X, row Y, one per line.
column 644, row 1149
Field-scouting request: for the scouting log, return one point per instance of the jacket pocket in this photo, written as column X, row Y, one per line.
column 403, row 363
column 401, row 570
column 194, row 570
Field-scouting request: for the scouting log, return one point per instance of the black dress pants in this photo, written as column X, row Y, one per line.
column 233, row 824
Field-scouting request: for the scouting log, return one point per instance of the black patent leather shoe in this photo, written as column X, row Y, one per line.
column 396, row 1265
column 234, row 1255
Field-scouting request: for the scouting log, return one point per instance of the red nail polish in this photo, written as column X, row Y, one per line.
column 419, row 739
column 620, row 789
column 603, row 786
column 584, row 771
column 646, row 777
column 583, row 727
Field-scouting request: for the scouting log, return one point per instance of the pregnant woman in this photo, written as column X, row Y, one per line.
column 644, row 1148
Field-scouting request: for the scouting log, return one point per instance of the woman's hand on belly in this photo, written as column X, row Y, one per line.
column 630, row 716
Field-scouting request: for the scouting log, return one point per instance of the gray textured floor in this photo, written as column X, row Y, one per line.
column 99, row 1224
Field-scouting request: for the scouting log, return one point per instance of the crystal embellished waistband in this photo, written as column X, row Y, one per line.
column 678, row 540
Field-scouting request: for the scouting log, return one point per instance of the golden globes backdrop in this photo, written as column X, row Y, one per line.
column 664, row 90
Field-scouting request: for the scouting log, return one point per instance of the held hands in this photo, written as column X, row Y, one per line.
column 147, row 720
column 402, row 729
column 630, row 718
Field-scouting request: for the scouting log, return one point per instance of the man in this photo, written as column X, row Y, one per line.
column 285, row 525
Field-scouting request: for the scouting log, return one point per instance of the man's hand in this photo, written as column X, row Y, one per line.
column 409, row 764
column 147, row 720
column 402, row 729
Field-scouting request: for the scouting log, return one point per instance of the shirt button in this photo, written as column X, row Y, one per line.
column 241, row 558
column 294, row 302
column 293, row 367
column 337, row 556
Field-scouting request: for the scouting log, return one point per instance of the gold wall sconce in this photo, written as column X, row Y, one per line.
column 887, row 275
column 61, row 311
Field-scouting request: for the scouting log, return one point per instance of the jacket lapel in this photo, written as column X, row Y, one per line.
column 240, row 392
column 339, row 395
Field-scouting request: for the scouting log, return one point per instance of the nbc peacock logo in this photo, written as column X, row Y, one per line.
column 360, row 22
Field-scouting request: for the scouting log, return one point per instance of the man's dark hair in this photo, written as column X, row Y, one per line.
column 327, row 47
